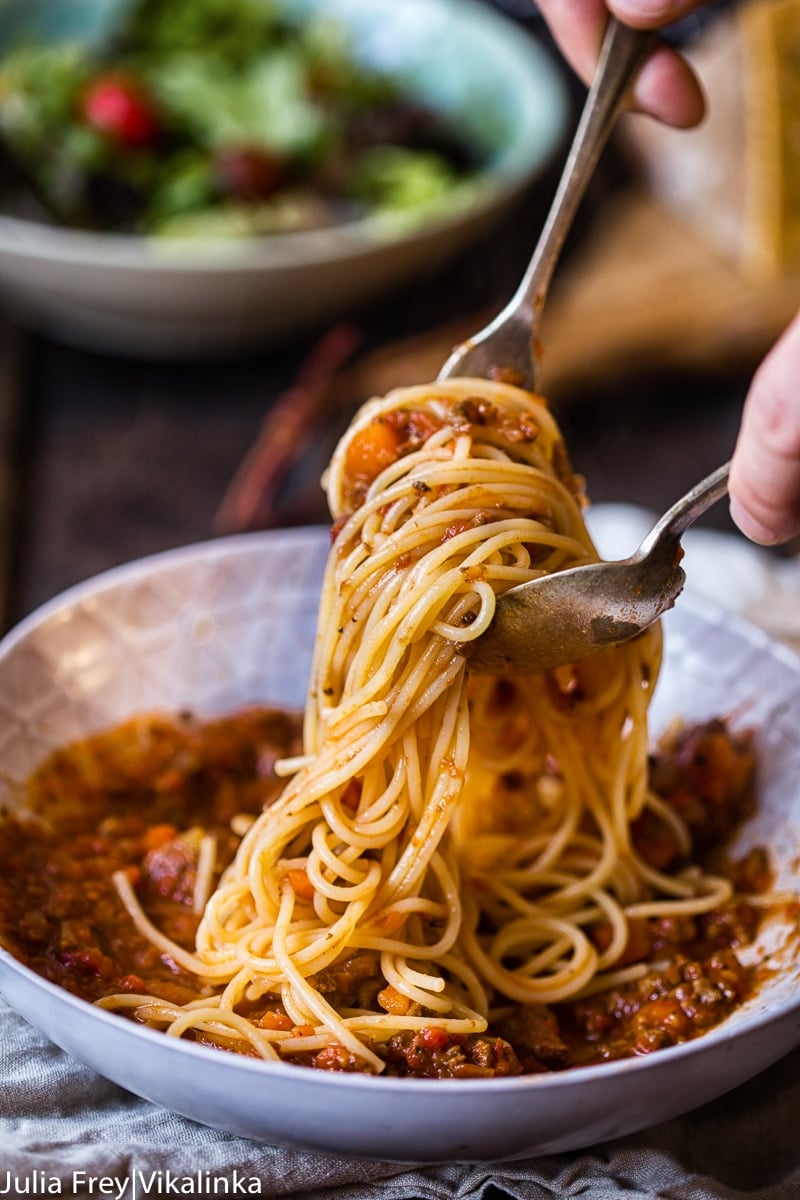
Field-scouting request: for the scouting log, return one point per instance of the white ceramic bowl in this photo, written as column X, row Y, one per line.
column 153, row 296
column 207, row 627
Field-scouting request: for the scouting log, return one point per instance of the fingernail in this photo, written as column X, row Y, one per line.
column 751, row 527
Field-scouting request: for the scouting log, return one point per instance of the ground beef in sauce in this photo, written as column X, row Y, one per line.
column 401, row 431
column 135, row 799
column 140, row 798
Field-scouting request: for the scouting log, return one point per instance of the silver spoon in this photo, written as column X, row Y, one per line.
column 509, row 340
column 567, row 616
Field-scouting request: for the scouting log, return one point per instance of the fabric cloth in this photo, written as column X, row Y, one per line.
column 57, row 1118
column 60, row 1124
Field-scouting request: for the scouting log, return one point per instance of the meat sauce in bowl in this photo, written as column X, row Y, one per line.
column 141, row 797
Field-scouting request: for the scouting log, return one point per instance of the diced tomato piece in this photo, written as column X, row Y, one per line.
column 393, row 1001
column 433, row 1038
column 275, row 1020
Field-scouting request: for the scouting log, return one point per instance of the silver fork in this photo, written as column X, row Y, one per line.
column 564, row 617
column 509, row 340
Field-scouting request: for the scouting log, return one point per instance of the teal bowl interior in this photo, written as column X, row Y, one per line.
column 55, row 20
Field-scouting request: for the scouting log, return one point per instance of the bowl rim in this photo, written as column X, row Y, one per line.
column 519, row 159
column 713, row 1039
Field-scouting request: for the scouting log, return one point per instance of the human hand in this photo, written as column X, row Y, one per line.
column 765, row 471
column 666, row 87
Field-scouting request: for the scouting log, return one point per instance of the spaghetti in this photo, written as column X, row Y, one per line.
column 472, row 832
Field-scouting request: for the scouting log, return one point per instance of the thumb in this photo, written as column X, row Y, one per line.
column 765, row 471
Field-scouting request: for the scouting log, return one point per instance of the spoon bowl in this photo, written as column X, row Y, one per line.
column 564, row 617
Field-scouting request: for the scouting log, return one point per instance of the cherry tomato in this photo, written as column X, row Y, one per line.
column 120, row 109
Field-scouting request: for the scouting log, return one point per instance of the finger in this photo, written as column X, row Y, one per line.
column 765, row 472
column 578, row 27
column 666, row 86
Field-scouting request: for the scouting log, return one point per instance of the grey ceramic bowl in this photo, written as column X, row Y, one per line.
column 208, row 627
column 153, row 296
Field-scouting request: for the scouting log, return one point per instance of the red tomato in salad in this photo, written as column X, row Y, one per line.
column 120, row 109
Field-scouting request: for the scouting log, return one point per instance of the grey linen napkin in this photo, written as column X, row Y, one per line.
column 61, row 1122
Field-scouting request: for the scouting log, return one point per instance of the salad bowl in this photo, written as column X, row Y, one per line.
column 217, row 291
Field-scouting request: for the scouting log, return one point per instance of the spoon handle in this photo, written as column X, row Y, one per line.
column 667, row 532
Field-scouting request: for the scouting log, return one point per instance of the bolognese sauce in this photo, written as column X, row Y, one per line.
column 141, row 798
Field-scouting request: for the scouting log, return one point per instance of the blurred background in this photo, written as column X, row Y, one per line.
column 156, row 393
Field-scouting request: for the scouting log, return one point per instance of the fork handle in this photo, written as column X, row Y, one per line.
column 510, row 338
column 666, row 534
column 622, row 52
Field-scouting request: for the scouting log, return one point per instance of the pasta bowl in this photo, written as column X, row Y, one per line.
column 203, row 294
column 208, row 627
